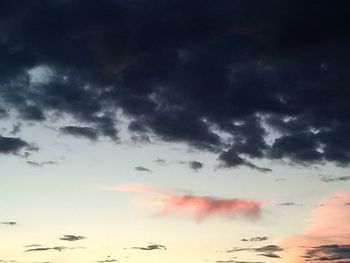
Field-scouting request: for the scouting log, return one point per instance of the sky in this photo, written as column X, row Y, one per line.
column 174, row 131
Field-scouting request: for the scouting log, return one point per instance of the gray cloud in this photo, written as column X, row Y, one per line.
column 195, row 165
column 142, row 169
column 78, row 131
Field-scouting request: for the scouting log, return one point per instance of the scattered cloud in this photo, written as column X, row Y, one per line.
column 72, row 238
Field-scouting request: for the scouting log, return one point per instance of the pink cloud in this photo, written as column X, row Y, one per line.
column 200, row 207
column 328, row 225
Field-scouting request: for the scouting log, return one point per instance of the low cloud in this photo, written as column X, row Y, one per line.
column 199, row 207
column 72, row 238
column 265, row 251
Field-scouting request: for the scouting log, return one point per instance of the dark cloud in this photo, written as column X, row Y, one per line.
column 187, row 73
column 255, row 239
column 58, row 248
column 12, row 145
column 72, row 238
column 142, row 169
column 328, row 253
column 78, row 131
column 331, row 179
column 10, row 223
column 195, row 165
column 151, row 247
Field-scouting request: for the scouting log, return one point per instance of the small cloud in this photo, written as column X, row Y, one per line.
column 72, row 238
column 286, row 204
column 256, row 239
column 143, row 169
column 160, row 161
column 151, row 247
column 195, row 165
column 41, row 164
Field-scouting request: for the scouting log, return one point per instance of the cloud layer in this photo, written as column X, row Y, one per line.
column 242, row 68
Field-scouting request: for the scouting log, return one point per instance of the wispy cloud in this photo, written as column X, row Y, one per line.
column 332, row 179
column 10, row 223
column 151, row 247
column 40, row 164
column 255, row 239
column 200, row 207
column 58, row 248
column 72, row 238
column 142, row 169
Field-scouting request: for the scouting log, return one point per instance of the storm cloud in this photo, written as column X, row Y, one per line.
column 185, row 72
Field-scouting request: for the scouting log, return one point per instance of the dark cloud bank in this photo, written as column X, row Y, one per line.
column 185, row 71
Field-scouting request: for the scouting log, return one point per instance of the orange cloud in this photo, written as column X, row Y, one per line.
column 326, row 236
column 199, row 207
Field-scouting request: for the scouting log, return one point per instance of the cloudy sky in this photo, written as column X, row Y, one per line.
column 174, row 131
